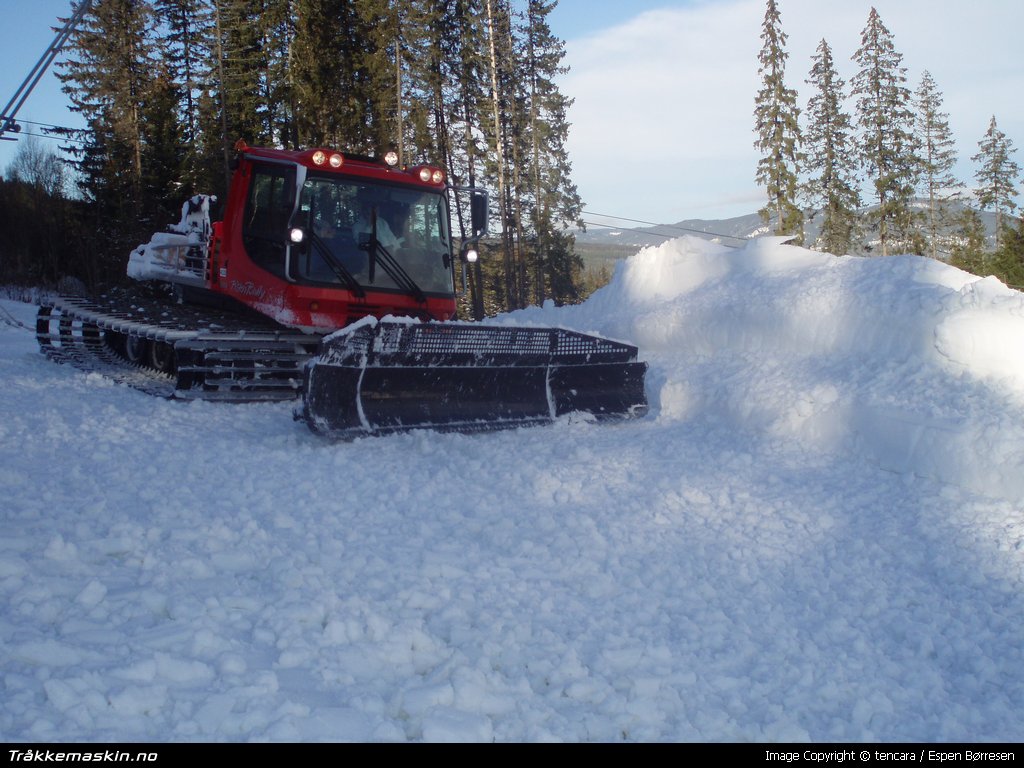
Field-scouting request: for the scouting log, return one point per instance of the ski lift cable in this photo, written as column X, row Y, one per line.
column 50, row 126
column 655, row 224
column 639, row 231
column 629, row 229
column 48, row 136
column 646, row 233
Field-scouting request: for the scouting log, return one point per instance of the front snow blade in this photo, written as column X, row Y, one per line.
column 394, row 376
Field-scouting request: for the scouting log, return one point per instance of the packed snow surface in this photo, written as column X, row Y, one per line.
column 817, row 533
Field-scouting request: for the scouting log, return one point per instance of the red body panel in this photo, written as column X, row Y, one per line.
column 309, row 307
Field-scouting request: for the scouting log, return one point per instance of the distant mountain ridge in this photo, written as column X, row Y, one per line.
column 730, row 232
column 733, row 230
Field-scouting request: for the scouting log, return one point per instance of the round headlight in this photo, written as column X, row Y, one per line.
column 437, row 176
column 391, row 158
column 472, row 255
column 319, row 157
column 424, row 174
column 336, row 160
column 297, row 235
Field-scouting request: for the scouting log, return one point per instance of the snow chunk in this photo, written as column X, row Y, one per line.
column 92, row 595
column 449, row 726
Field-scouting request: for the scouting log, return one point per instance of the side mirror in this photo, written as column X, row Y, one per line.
column 478, row 212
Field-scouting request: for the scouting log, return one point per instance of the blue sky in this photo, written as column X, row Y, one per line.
column 663, row 112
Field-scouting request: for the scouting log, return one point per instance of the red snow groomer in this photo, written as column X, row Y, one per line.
column 287, row 296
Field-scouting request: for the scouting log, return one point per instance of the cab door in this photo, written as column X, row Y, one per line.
column 268, row 210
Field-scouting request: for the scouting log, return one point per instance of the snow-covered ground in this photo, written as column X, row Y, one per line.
column 816, row 534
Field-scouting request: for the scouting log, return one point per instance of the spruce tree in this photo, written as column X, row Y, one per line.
column 968, row 251
column 887, row 146
column 214, row 142
column 828, row 157
column 938, row 156
column 245, row 53
column 998, row 175
column 380, row 68
column 500, row 135
column 164, row 149
column 526, row 126
column 1008, row 261
column 556, row 203
column 109, row 76
column 324, row 64
column 278, row 41
column 517, row 115
column 461, row 106
column 417, row 88
column 185, row 32
column 777, row 128
column 185, row 36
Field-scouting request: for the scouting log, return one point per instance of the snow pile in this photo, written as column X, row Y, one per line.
column 816, row 534
column 900, row 357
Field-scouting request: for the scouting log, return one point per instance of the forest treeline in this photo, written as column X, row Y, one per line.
column 167, row 87
column 879, row 178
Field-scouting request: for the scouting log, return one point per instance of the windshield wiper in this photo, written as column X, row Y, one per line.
column 377, row 252
column 396, row 271
column 324, row 251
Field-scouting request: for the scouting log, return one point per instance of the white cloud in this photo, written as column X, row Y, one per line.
column 663, row 113
column 655, row 114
